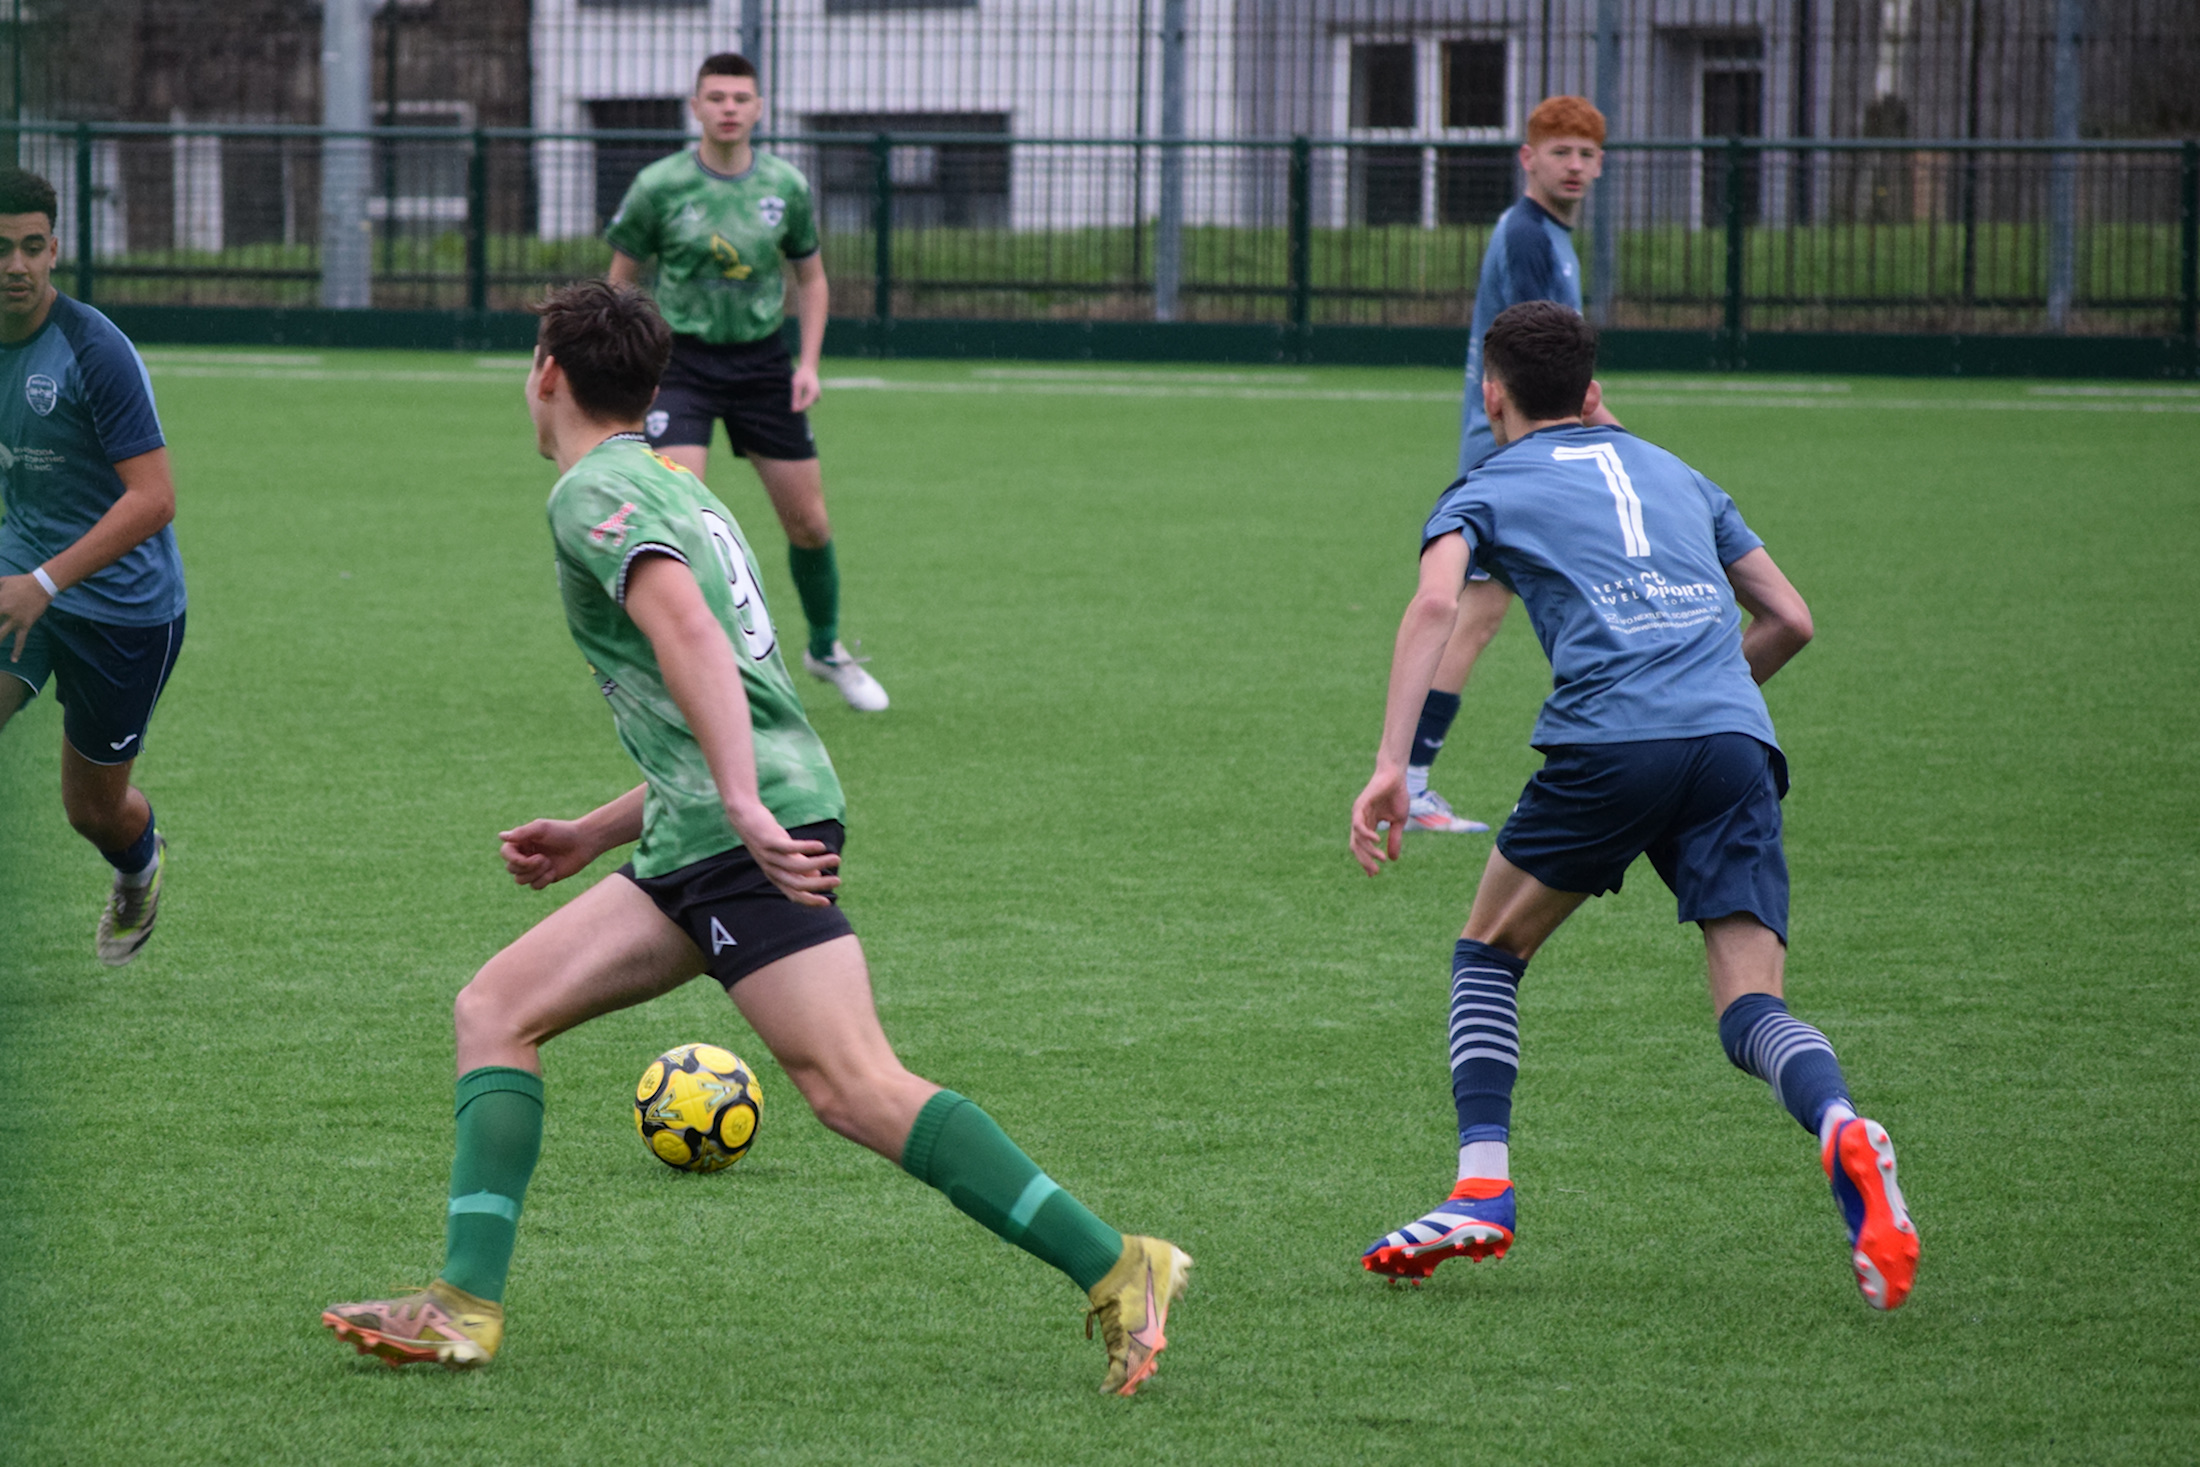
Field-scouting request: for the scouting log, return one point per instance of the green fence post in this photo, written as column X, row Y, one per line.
column 477, row 224
column 1301, row 261
column 2188, row 264
column 84, row 212
column 882, row 239
column 1731, row 347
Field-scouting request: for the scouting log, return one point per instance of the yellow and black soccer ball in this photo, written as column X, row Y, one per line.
column 697, row 1108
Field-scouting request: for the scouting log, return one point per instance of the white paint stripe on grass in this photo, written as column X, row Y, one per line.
column 1170, row 386
column 159, row 356
column 319, row 374
column 2114, row 391
column 1119, row 374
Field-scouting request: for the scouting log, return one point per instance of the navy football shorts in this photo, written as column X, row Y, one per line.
column 108, row 677
column 750, row 385
column 733, row 914
column 1706, row 811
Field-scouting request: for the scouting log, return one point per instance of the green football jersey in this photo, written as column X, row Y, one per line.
column 617, row 502
column 718, row 241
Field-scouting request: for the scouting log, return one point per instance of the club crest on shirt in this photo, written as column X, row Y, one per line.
column 656, row 422
column 41, row 392
column 771, row 209
column 613, row 529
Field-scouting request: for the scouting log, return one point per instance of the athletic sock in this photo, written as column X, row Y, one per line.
column 1761, row 1037
column 1437, row 712
column 1485, row 1052
column 956, row 1147
column 499, row 1140
column 817, row 583
column 136, row 862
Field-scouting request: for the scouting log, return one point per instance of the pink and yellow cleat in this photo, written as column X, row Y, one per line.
column 439, row 1325
column 1132, row 1304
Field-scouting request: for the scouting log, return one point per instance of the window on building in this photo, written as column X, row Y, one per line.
column 1384, row 93
column 1733, row 105
column 618, row 162
column 1474, row 84
column 957, row 185
column 1442, row 90
column 872, row 7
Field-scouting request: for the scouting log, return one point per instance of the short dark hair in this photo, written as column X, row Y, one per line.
column 611, row 344
column 1544, row 354
column 726, row 63
column 24, row 192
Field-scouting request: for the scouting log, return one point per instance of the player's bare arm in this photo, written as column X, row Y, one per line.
column 813, row 298
column 702, row 672
column 1422, row 633
column 625, row 269
column 147, row 505
column 1779, row 620
column 543, row 852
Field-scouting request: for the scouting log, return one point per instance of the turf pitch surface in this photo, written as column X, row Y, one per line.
column 1136, row 625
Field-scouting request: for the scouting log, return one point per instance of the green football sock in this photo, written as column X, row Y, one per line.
column 499, row 1139
column 817, row 582
column 957, row 1148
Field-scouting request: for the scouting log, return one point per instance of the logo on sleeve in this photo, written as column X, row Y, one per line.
column 771, row 209
column 656, row 423
column 41, row 392
column 613, row 529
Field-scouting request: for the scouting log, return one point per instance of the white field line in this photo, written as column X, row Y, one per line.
column 159, row 357
column 1728, row 385
column 319, row 374
column 2114, row 391
column 1116, row 374
column 1177, row 386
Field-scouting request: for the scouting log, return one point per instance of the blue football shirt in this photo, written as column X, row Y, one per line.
column 1530, row 258
column 75, row 401
column 1620, row 552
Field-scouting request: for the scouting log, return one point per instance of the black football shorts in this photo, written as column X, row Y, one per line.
column 748, row 385
column 734, row 915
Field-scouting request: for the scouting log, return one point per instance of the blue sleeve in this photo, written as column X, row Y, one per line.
column 1735, row 538
column 1462, row 510
column 1531, row 271
column 117, row 390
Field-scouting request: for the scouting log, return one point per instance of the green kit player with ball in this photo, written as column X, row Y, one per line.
column 739, row 828
column 728, row 227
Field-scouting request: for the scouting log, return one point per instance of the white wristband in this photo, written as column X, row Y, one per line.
column 45, row 582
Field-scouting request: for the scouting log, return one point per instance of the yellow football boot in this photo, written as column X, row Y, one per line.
column 1132, row 1304
column 439, row 1325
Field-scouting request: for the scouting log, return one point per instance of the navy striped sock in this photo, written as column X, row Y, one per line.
column 1485, row 1038
column 1437, row 712
column 1762, row 1038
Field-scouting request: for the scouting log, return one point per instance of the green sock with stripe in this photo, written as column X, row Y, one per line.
column 499, row 1140
column 817, row 582
column 957, row 1148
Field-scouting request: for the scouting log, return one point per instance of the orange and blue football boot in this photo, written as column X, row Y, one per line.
column 1475, row 1222
column 1859, row 1161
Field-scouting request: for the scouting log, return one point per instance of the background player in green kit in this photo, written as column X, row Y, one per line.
column 720, row 220
column 739, row 823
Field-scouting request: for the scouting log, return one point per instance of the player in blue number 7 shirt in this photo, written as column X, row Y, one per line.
column 1635, row 570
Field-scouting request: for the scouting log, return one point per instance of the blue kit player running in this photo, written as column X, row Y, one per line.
column 1530, row 258
column 91, row 589
column 1635, row 570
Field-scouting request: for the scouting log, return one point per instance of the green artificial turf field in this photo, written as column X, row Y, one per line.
column 1136, row 626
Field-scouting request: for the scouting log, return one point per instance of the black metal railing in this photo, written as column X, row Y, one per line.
column 1732, row 236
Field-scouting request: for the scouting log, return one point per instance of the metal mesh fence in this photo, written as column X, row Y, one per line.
column 1730, row 236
